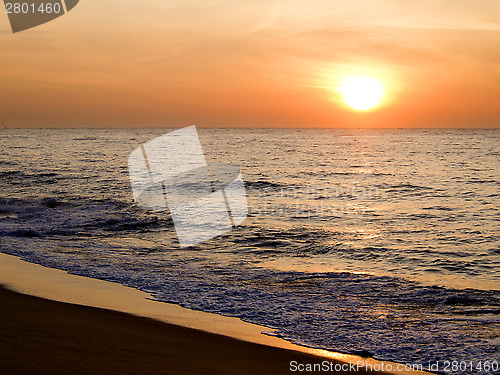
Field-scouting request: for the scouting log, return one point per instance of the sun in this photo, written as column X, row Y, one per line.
column 361, row 92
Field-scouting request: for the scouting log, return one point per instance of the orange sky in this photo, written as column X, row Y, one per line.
column 253, row 63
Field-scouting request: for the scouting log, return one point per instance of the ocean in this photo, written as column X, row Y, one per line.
column 384, row 243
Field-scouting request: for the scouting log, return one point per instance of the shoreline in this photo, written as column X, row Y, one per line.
column 56, row 286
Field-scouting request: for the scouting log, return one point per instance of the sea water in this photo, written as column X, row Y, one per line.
column 380, row 242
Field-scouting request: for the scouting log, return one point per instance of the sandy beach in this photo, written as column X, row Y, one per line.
column 43, row 336
column 39, row 336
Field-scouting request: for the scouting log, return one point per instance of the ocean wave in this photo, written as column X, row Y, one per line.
column 52, row 216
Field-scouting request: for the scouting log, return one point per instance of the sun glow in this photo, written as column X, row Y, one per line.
column 361, row 93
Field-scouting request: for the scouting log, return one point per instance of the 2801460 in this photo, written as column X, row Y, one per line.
column 27, row 8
